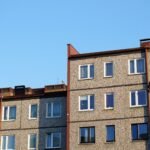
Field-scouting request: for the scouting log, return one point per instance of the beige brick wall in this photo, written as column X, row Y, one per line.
column 123, row 139
column 120, row 77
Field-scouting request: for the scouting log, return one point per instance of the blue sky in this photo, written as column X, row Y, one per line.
column 34, row 35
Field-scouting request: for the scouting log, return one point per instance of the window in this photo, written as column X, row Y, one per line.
column 32, row 141
column 53, row 140
column 137, row 66
column 87, row 135
column 33, row 110
column 110, row 133
column 9, row 113
column 109, row 101
column 86, row 102
column 86, row 71
column 8, row 142
column 138, row 98
column 53, row 109
column 139, row 131
column 108, row 69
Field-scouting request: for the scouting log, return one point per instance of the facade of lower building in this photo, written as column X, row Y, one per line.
column 108, row 99
column 33, row 119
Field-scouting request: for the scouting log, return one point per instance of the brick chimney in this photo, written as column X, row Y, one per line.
column 145, row 43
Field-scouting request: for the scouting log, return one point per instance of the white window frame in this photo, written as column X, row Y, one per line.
column 88, row 75
column 136, row 98
column 88, row 102
column 29, row 135
column 52, row 140
column 8, row 116
column 33, row 118
column 105, row 69
column 135, row 66
column 52, row 105
column 6, row 141
column 105, row 95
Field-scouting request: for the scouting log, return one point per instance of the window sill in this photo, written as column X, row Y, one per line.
column 9, row 120
column 111, row 142
column 140, row 106
column 139, row 140
column 32, row 118
column 86, row 143
column 53, row 148
column 85, row 79
column 89, row 110
column 109, row 108
column 108, row 76
column 132, row 74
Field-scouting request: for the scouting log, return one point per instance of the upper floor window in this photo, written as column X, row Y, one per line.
column 108, row 69
column 138, row 98
column 53, row 140
column 87, row 135
column 109, row 101
column 86, row 71
column 8, row 142
column 32, row 141
column 110, row 133
column 86, row 102
column 9, row 113
column 137, row 66
column 33, row 111
column 139, row 131
column 53, row 109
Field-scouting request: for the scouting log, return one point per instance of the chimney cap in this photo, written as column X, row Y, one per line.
column 145, row 42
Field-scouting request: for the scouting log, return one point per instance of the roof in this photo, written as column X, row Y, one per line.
column 107, row 53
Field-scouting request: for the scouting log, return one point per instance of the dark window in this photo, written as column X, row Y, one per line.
column 109, row 100
column 33, row 111
column 110, row 133
column 109, row 69
column 87, row 135
column 87, row 71
column 139, row 131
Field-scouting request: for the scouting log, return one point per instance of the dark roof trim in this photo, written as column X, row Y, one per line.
column 106, row 53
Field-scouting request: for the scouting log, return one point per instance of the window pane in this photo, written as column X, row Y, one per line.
column 83, row 135
column 92, row 135
column 91, row 101
column 11, row 142
column 91, row 71
column 56, row 109
column 143, row 131
column 56, row 139
column 109, row 69
column 84, row 71
column 140, row 65
column 134, row 129
column 48, row 141
column 110, row 133
column 3, row 142
column 34, row 111
column 32, row 140
column 5, row 113
column 133, row 101
column 12, row 113
column 141, row 97
column 49, row 109
column 132, row 69
column 83, row 102
column 109, row 100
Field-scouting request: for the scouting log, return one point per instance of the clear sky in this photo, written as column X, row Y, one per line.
column 34, row 35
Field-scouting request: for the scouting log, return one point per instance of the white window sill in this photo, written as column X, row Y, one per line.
column 130, row 74
column 82, row 79
column 138, row 106
column 108, row 76
column 32, row 118
column 84, row 110
column 9, row 120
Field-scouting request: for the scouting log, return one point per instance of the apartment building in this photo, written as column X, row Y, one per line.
column 108, row 99
column 33, row 119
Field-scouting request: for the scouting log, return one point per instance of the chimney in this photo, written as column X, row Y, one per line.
column 20, row 90
column 145, row 43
